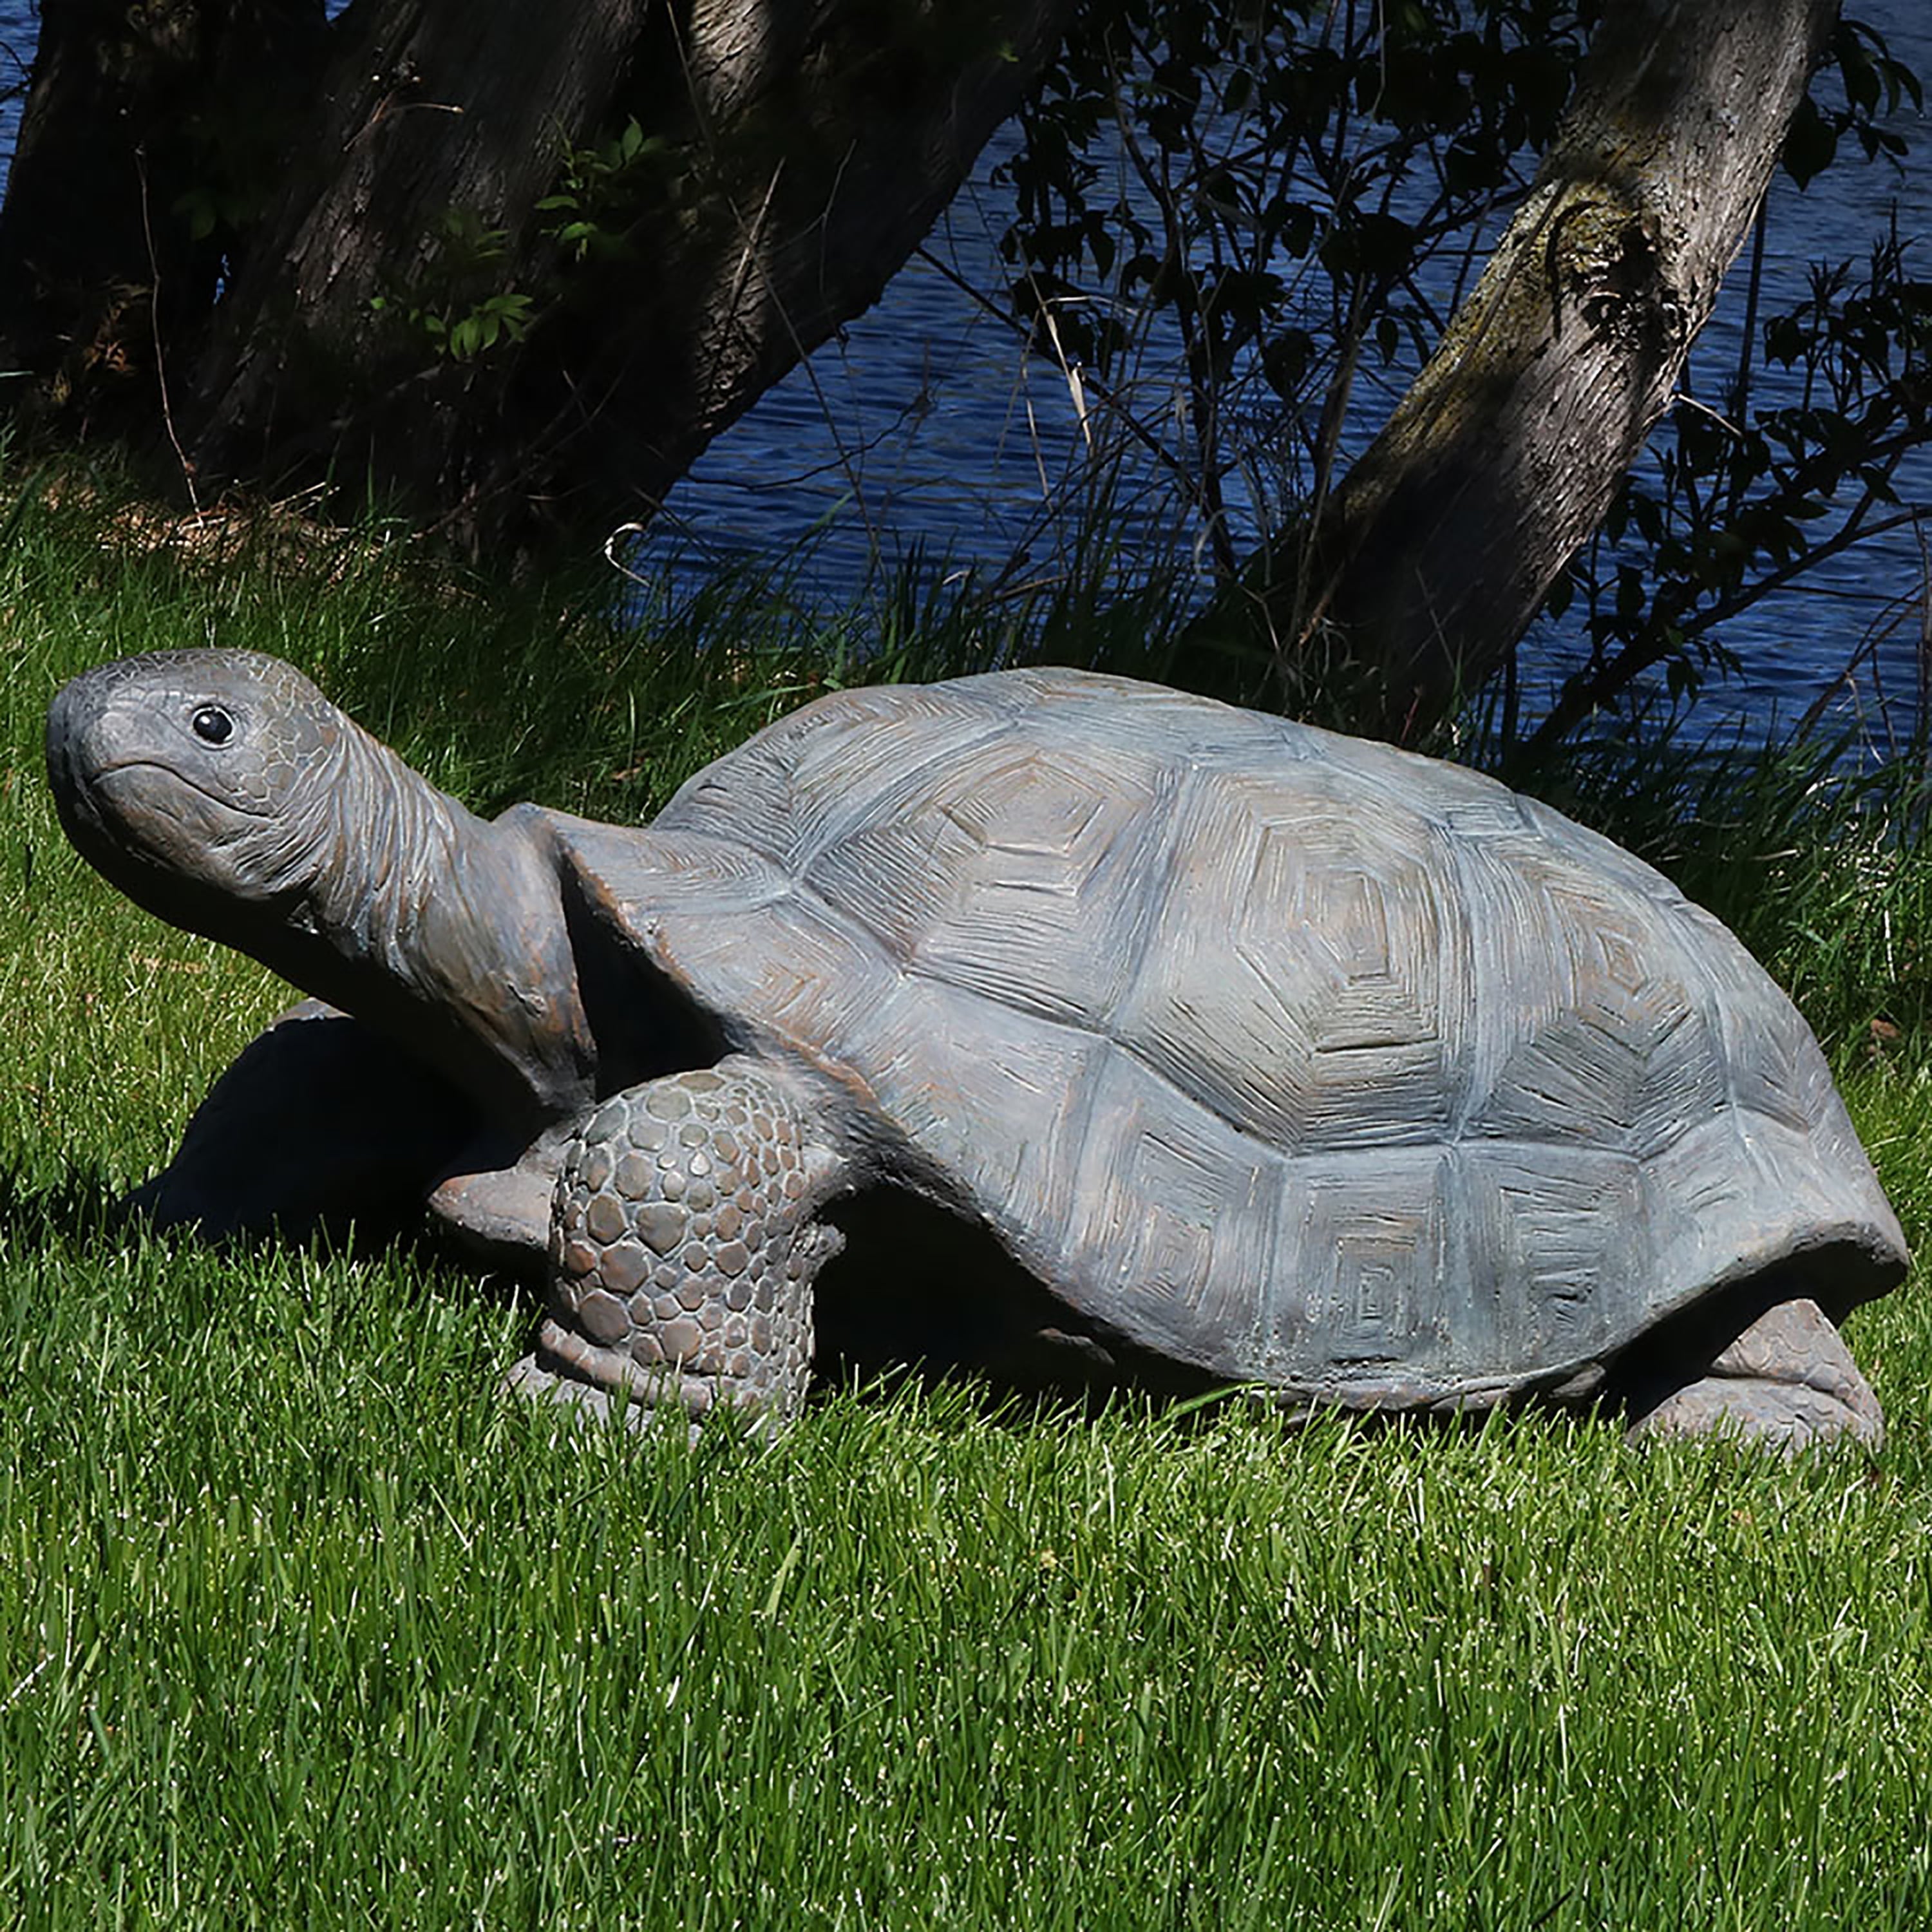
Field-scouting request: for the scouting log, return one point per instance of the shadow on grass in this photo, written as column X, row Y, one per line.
column 78, row 1208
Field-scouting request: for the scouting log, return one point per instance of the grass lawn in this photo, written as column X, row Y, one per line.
column 300, row 1623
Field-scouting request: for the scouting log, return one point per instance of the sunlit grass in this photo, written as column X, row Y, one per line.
column 301, row 1623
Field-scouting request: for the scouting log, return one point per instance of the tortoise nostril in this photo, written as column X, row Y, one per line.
column 212, row 724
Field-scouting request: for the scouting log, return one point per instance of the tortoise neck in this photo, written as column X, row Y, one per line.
column 391, row 845
column 446, row 931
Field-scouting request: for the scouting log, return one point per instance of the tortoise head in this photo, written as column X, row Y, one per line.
column 223, row 792
column 200, row 782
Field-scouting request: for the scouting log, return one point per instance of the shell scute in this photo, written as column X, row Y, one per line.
column 1547, row 1233
column 1308, row 983
column 1602, row 1029
column 1174, row 1217
column 1011, row 875
column 1371, row 1238
column 802, row 783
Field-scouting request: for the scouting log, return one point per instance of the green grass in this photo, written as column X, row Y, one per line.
column 300, row 1624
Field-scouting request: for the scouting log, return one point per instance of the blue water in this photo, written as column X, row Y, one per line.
column 19, row 28
column 926, row 427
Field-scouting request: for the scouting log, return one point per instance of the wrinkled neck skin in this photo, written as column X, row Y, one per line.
column 441, row 930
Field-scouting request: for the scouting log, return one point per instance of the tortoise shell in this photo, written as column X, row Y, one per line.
column 1285, row 1055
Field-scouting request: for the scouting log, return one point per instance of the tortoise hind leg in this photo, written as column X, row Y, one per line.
column 683, row 1247
column 1787, row 1381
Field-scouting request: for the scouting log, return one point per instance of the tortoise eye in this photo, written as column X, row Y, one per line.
column 212, row 724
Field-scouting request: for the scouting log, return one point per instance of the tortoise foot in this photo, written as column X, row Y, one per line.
column 684, row 1244
column 1788, row 1382
column 574, row 1403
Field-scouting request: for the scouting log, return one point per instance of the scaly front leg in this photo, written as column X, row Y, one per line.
column 684, row 1245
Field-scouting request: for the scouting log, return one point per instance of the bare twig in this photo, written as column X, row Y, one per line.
column 387, row 106
column 154, row 322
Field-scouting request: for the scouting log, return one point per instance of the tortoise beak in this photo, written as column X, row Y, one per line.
column 77, row 741
column 117, row 783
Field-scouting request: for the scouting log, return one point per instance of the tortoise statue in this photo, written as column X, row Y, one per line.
column 1274, row 1056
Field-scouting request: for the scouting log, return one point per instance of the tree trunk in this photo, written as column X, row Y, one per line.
column 143, row 130
column 1439, row 548
column 727, row 182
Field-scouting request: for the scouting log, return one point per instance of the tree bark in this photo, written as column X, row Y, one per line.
column 1439, row 547
column 142, row 130
column 788, row 155
column 800, row 151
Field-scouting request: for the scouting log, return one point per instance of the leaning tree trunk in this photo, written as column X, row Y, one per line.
column 1439, row 548
column 522, row 261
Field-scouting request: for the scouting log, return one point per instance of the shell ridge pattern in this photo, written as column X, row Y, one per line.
column 1131, row 944
column 1733, row 1107
column 1581, row 998
column 1467, row 847
column 1153, row 856
column 1146, row 967
column 798, row 822
column 1151, row 964
column 1480, row 1179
